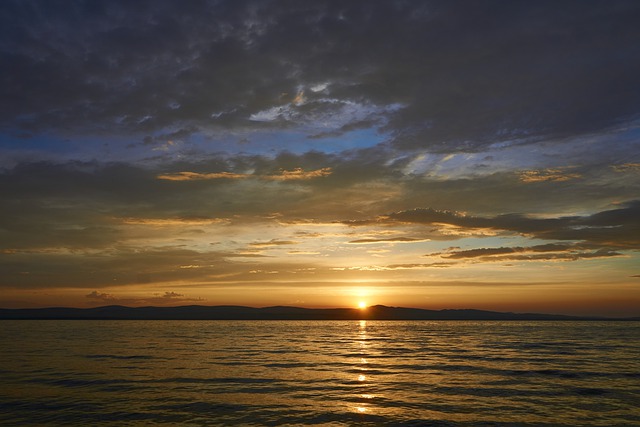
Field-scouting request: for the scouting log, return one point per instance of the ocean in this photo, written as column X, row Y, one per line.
column 342, row 373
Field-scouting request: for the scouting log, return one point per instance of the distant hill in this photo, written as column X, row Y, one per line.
column 229, row 312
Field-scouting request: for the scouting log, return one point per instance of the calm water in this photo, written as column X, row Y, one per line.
column 319, row 373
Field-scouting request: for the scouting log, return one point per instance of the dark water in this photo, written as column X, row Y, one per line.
column 195, row 373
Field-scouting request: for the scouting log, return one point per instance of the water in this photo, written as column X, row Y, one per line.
column 195, row 373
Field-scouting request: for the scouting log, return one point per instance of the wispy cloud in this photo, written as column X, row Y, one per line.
column 164, row 222
column 388, row 240
column 549, row 252
column 627, row 167
column 419, row 265
column 195, row 176
column 168, row 297
column 273, row 242
column 552, row 175
column 283, row 175
column 298, row 174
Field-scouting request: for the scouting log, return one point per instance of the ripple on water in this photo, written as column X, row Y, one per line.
column 310, row 373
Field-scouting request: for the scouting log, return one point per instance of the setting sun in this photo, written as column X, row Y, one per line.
column 362, row 305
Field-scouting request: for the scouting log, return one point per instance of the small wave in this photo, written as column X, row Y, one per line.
column 118, row 357
column 225, row 380
column 78, row 382
column 202, row 407
column 590, row 391
column 566, row 374
column 290, row 365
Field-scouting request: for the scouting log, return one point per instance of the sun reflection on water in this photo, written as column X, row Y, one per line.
column 364, row 380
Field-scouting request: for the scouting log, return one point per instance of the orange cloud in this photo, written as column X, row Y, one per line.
column 553, row 175
column 299, row 174
column 195, row 176
column 284, row 175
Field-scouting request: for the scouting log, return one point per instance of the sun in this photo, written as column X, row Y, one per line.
column 362, row 305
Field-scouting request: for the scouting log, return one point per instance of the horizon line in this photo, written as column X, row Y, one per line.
column 367, row 313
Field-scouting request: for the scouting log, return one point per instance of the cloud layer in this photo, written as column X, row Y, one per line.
column 441, row 76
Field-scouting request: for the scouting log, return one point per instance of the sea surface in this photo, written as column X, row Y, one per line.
column 342, row 373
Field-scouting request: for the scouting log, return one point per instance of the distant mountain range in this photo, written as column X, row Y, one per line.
column 228, row 312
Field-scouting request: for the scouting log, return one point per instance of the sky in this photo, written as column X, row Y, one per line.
column 433, row 154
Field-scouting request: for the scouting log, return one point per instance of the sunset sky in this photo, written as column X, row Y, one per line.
column 433, row 154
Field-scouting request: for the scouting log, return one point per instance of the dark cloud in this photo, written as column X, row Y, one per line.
column 172, row 295
column 100, row 296
column 616, row 228
column 547, row 252
column 169, row 297
column 445, row 76
column 419, row 265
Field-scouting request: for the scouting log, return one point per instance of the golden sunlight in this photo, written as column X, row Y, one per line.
column 362, row 305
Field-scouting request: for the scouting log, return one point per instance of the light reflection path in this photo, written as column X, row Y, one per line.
column 365, row 381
